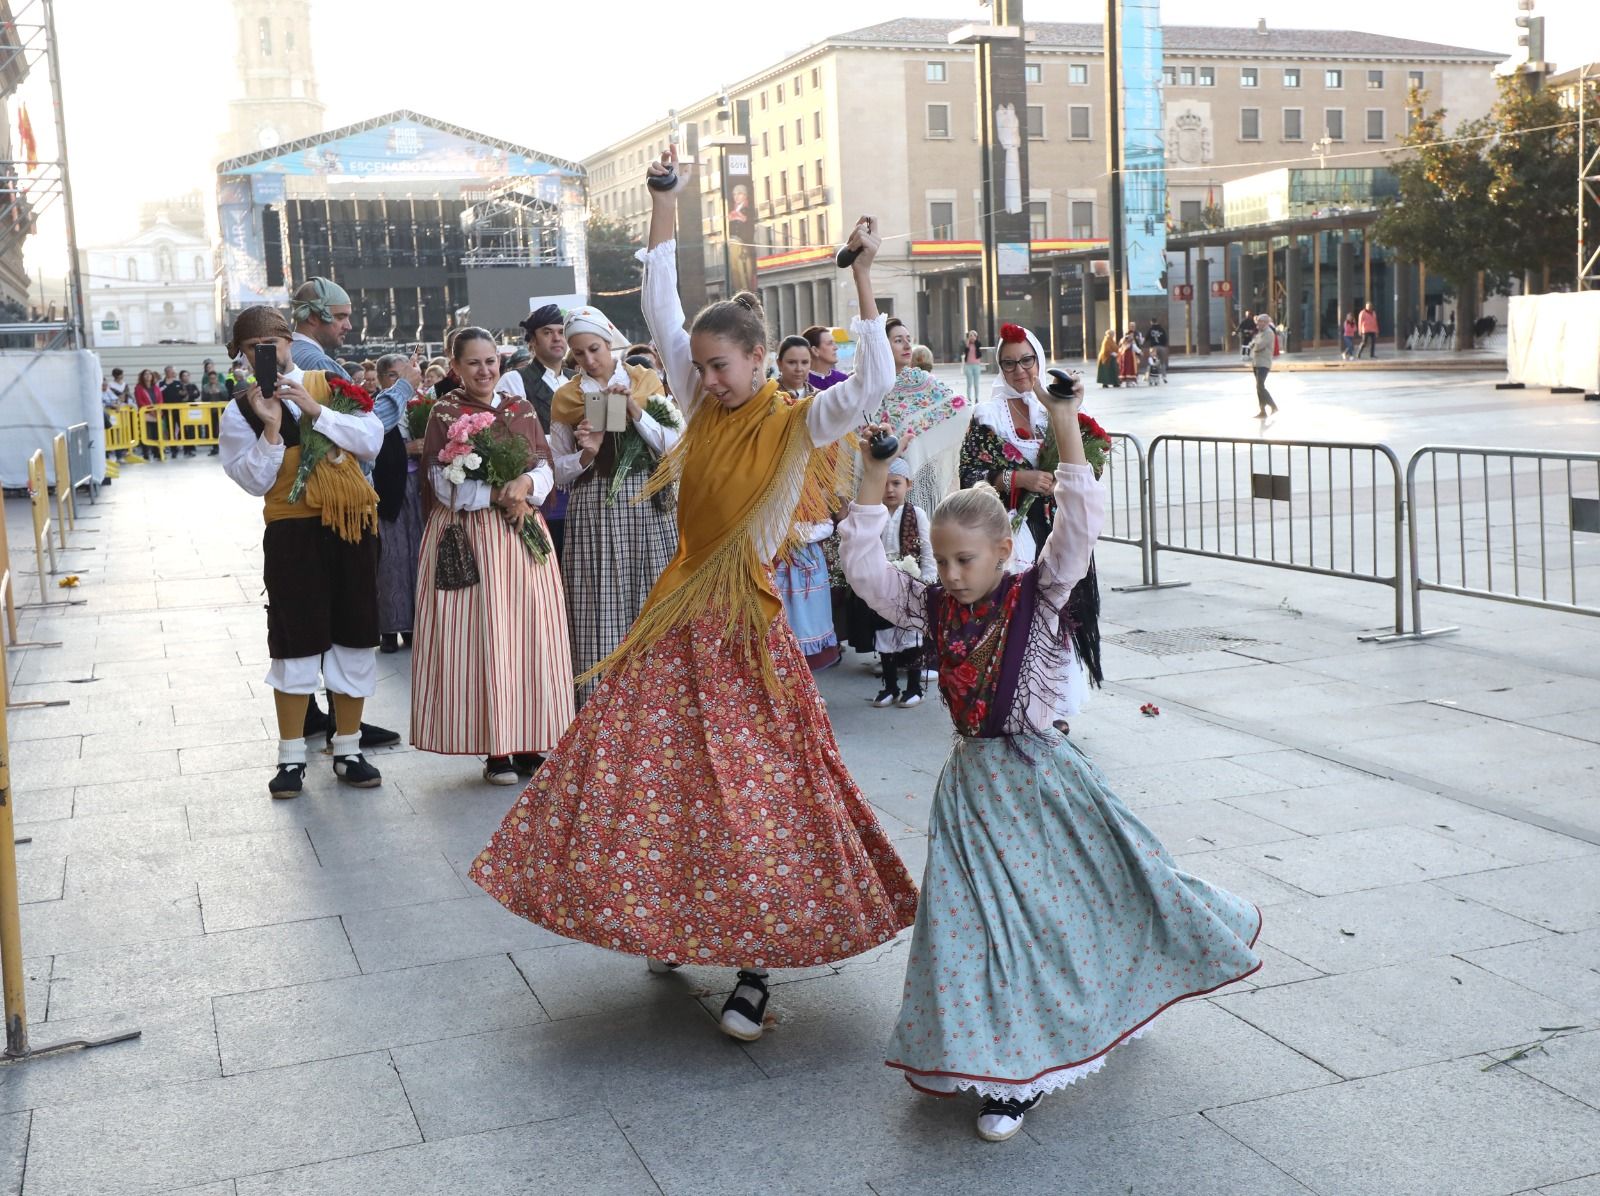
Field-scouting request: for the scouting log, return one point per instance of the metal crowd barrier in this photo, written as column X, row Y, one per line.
column 1310, row 506
column 80, row 469
column 39, row 499
column 1537, row 553
column 66, row 496
column 181, row 425
column 1127, row 512
column 123, row 434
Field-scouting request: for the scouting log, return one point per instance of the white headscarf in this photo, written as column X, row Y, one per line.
column 1002, row 388
column 593, row 320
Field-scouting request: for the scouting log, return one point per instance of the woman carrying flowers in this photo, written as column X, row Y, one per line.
column 299, row 448
column 491, row 673
column 617, row 541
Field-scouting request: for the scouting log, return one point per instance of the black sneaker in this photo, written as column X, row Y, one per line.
column 498, row 770
column 744, row 1011
column 526, row 763
column 289, row 781
column 388, row 643
column 356, row 772
column 1001, row 1119
column 886, row 697
column 376, row 737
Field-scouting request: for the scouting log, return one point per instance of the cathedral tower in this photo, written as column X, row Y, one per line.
column 274, row 69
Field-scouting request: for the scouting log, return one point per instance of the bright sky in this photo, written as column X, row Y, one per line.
column 147, row 87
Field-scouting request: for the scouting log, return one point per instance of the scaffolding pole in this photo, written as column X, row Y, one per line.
column 1588, row 184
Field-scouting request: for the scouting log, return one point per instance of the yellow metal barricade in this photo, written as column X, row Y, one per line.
column 66, row 496
column 39, row 498
column 8, row 595
column 182, row 425
column 123, row 435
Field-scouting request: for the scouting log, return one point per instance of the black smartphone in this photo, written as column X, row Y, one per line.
column 266, row 364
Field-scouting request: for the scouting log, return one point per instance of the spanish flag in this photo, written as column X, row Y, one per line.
column 30, row 147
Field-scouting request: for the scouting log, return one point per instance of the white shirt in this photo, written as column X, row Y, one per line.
column 253, row 463
column 567, row 455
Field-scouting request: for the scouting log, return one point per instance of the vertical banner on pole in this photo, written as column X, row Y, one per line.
column 1144, row 181
column 739, row 202
column 1001, row 57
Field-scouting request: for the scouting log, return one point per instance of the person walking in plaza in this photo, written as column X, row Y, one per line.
column 1156, row 341
column 1261, row 347
column 146, row 395
column 1054, row 925
column 618, row 540
column 541, row 378
column 491, row 670
column 398, row 478
column 1107, row 372
column 825, row 371
column 320, row 548
column 1247, row 333
column 698, row 810
column 1368, row 325
column 1347, row 343
column 972, row 364
column 801, row 575
column 1128, row 355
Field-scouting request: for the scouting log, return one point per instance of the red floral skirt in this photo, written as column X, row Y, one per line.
column 692, row 815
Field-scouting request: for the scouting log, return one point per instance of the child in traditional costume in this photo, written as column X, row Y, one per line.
column 801, row 576
column 300, row 449
column 1106, row 372
column 617, row 542
column 905, row 539
column 1053, row 924
column 698, row 810
column 491, row 670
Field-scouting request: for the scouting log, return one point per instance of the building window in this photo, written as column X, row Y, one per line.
column 783, row 184
column 766, row 189
column 799, row 130
column 199, row 266
column 1189, row 213
column 1083, row 219
column 1333, row 80
column 1038, row 220
column 133, row 270
column 1333, row 122
column 934, row 72
column 800, row 179
column 264, row 32
column 1294, row 124
column 1208, row 76
column 939, row 121
column 822, row 228
column 1374, row 80
column 1036, row 122
column 1186, row 76
column 766, row 147
column 780, row 93
column 1170, row 74
column 1291, row 76
column 1249, row 76
column 763, row 101
column 816, row 124
column 786, row 241
column 942, row 220
column 1249, row 124
column 1078, row 74
column 1078, row 128
column 821, row 181
column 1375, row 124
column 783, row 143
column 797, row 90
column 1414, row 80
column 816, row 76
column 803, row 227
column 1033, row 72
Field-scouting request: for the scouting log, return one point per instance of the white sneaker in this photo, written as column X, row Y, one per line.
column 910, row 700
column 1001, row 1119
column 744, row 1012
column 885, row 698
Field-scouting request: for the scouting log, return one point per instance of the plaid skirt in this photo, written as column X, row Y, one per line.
column 609, row 563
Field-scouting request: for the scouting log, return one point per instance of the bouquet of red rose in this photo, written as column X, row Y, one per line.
column 418, row 411
column 1096, row 451
column 345, row 397
column 477, row 448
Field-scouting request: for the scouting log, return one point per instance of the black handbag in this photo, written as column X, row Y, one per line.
column 454, row 567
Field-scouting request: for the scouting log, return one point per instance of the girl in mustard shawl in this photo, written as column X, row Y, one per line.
column 697, row 811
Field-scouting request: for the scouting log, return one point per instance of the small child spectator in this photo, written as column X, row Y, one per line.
column 905, row 539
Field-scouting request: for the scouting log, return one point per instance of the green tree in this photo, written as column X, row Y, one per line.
column 614, row 274
column 1497, row 196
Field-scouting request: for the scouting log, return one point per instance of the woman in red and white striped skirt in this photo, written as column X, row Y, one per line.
column 491, row 670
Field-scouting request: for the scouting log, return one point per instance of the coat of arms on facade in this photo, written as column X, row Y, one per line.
column 1189, row 135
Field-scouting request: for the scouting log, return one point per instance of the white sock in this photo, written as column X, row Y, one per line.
column 291, row 751
column 347, row 745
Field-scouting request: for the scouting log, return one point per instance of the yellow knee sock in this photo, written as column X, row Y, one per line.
column 291, row 710
column 346, row 713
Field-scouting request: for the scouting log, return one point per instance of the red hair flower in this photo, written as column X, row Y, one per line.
column 1013, row 334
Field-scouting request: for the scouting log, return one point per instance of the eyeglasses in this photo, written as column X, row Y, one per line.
column 1019, row 363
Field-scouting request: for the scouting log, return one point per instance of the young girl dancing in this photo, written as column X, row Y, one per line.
column 1053, row 925
column 697, row 810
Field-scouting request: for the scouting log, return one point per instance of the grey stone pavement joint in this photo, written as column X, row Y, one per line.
column 329, row 1006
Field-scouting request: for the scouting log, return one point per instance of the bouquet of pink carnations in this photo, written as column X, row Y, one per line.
column 477, row 449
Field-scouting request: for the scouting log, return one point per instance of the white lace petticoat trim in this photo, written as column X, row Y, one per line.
column 993, row 1089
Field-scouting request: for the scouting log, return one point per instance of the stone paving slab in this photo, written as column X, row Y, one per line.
column 1562, row 894
column 1446, row 1128
column 1568, row 1062
column 1565, row 967
column 1350, row 861
column 408, row 936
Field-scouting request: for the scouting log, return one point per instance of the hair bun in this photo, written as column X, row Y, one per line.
column 748, row 301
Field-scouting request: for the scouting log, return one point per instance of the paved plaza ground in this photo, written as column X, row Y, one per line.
column 329, row 1007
